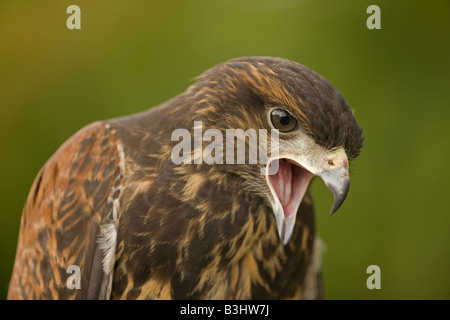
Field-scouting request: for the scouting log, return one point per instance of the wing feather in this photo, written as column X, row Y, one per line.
column 70, row 218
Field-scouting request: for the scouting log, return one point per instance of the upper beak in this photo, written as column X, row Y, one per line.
column 338, row 182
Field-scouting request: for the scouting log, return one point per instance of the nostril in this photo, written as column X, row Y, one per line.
column 345, row 163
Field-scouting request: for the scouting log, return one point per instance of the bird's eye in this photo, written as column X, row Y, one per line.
column 282, row 120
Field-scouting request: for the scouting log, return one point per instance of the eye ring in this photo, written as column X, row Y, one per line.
column 283, row 120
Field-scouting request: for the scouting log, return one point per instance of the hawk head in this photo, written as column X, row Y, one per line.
column 317, row 131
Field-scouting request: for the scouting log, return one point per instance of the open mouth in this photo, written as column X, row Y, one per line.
column 288, row 181
column 288, row 186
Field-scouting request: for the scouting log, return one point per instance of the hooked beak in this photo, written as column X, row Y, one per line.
column 338, row 182
column 289, row 183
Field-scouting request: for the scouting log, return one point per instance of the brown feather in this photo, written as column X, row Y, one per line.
column 67, row 204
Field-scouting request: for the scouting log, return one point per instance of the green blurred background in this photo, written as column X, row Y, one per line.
column 131, row 55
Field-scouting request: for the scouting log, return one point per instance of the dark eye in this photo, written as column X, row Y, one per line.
column 282, row 120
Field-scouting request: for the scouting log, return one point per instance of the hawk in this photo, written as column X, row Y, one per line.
column 138, row 225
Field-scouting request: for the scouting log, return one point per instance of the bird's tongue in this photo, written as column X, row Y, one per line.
column 290, row 184
column 282, row 184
